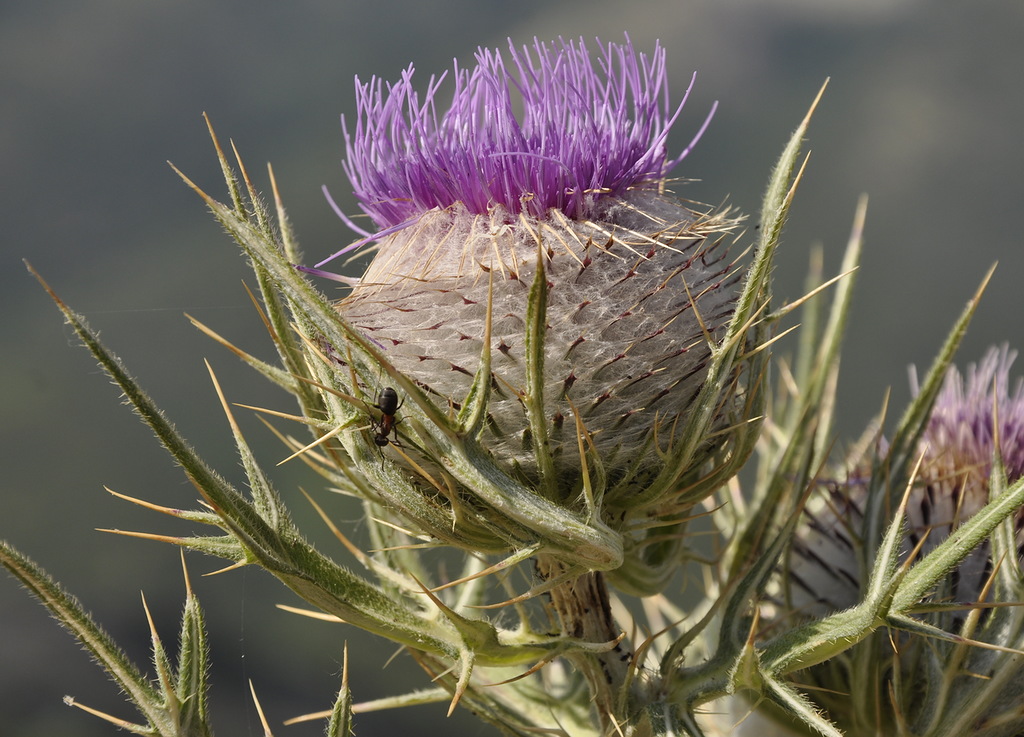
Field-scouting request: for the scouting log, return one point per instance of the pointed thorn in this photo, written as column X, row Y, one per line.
column 259, row 710
column 232, row 567
column 148, row 505
column 120, row 723
column 311, row 613
column 184, row 571
column 145, row 536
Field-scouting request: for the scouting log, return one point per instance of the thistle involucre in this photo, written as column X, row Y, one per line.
column 467, row 204
column 624, row 345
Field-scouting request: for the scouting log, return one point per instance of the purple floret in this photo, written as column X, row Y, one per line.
column 554, row 129
column 971, row 410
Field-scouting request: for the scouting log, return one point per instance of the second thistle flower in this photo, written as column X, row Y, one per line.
column 963, row 675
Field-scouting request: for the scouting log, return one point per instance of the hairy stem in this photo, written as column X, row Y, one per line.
column 582, row 606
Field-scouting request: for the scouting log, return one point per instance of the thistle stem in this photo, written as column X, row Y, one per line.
column 584, row 613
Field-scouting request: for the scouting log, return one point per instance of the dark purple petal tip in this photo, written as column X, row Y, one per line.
column 554, row 128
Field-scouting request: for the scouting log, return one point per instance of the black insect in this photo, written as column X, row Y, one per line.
column 388, row 404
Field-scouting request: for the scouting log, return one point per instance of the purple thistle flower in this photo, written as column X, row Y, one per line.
column 547, row 158
column 585, row 131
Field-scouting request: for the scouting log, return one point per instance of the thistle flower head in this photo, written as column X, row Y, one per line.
column 976, row 421
column 526, row 232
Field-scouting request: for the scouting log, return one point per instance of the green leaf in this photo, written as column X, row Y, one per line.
column 473, row 413
column 178, row 707
column 193, row 665
column 340, row 724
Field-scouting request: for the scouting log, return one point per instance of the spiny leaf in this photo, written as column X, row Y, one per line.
column 66, row 609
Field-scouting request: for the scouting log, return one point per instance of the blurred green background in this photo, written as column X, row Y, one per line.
column 925, row 113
